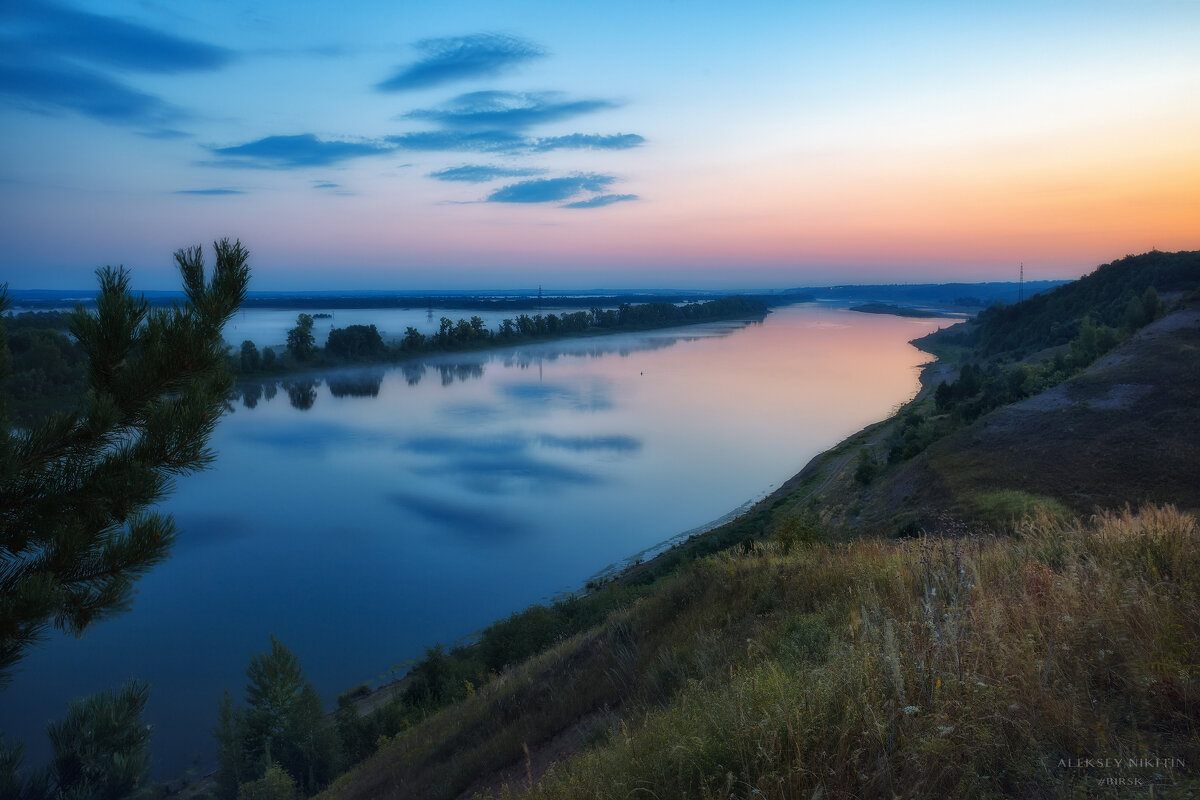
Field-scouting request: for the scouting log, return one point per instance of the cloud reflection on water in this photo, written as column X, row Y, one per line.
column 593, row 396
column 506, row 463
column 580, row 444
column 456, row 519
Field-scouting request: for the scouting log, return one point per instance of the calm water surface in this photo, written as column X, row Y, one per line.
column 362, row 515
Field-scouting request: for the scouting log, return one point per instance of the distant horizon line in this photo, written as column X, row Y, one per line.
column 483, row 293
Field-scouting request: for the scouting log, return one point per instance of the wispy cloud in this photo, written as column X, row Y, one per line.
column 601, row 200
column 496, row 141
column 54, row 58
column 291, row 152
column 480, row 173
column 326, row 185
column 507, row 111
column 458, row 57
column 52, row 28
column 589, row 141
column 210, row 191
column 54, row 85
column 549, row 190
column 474, row 141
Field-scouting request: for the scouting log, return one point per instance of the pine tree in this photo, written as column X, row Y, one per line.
column 282, row 724
column 101, row 751
column 76, row 529
column 230, row 733
column 102, row 748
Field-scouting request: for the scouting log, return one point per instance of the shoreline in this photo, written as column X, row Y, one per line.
column 650, row 559
column 402, row 356
column 373, row 692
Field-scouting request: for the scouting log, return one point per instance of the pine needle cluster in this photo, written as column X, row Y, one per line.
column 77, row 490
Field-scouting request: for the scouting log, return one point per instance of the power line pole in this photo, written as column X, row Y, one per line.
column 1021, row 284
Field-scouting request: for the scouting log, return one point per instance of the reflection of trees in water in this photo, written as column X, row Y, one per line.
column 413, row 372
column 302, row 394
column 251, row 394
column 460, row 372
column 364, row 384
column 523, row 359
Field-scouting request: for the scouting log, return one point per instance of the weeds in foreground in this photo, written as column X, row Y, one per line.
column 965, row 667
column 982, row 667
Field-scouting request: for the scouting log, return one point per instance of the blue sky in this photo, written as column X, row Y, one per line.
column 409, row 146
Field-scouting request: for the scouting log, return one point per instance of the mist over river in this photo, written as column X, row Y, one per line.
column 361, row 515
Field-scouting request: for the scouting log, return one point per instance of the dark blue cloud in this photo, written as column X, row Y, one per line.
column 326, row 185
column 289, row 152
column 210, row 191
column 549, row 190
column 52, row 59
column 482, row 173
column 588, row 141
column 51, row 28
column 498, row 141
column 509, row 111
column 601, row 200
column 474, row 141
column 458, row 57
column 44, row 84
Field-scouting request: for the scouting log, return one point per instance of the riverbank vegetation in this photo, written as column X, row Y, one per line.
column 968, row 666
column 78, row 489
column 359, row 344
column 1016, row 651
column 1012, row 647
column 49, row 368
column 1009, row 353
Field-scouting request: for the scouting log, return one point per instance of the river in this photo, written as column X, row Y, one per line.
column 362, row 515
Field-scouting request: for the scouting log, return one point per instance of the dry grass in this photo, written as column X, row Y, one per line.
column 976, row 667
column 967, row 667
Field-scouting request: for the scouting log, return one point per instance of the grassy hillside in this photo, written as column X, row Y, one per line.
column 1089, row 416
column 1114, row 296
column 978, row 666
column 1000, row 647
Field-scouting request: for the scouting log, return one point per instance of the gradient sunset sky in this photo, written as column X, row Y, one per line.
column 422, row 145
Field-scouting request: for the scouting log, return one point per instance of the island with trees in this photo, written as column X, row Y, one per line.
column 360, row 344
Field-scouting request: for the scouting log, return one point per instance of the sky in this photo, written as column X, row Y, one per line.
column 656, row 144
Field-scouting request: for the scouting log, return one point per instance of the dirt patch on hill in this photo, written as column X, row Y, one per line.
column 1124, row 431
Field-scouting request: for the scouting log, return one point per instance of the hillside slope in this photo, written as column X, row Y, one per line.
column 1124, row 431
column 1020, row 666
column 1001, row 648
